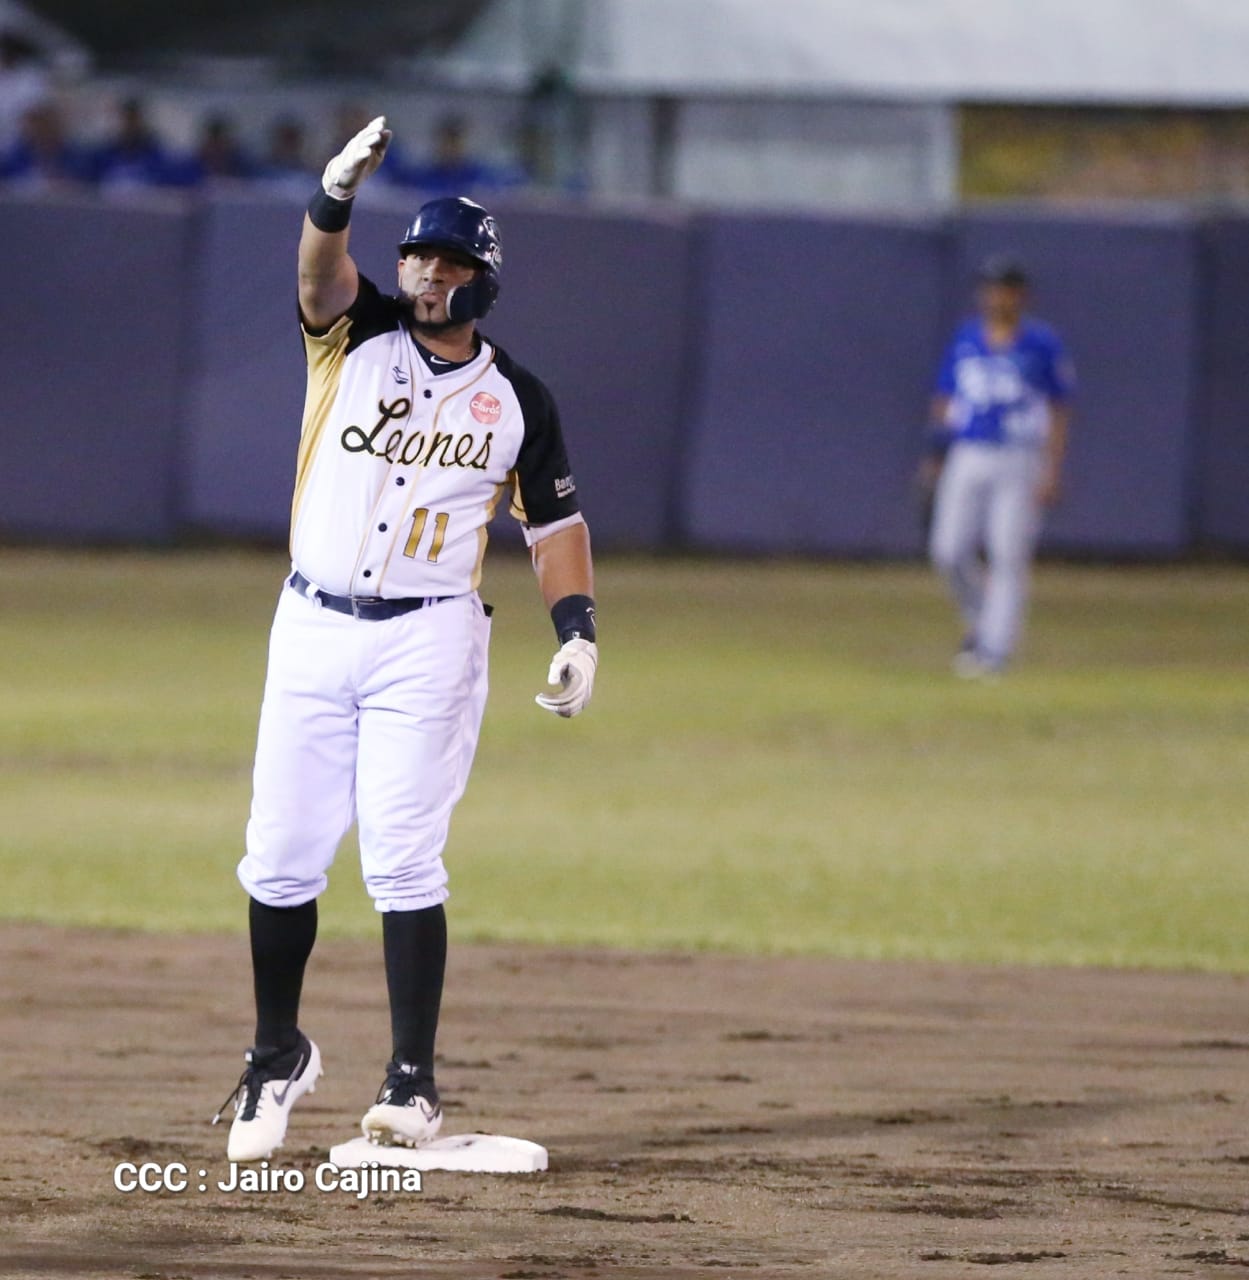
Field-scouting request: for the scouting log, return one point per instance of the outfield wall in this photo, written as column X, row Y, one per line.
column 95, row 366
column 728, row 381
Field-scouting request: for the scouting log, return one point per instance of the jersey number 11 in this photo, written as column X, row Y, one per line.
column 420, row 517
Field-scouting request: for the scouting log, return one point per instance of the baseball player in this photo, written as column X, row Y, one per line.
column 414, row 427
column 998, row 432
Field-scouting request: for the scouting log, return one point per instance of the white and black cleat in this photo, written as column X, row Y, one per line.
column 407, row 1111
column 264, row 1096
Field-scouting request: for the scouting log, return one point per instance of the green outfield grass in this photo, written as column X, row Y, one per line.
column 776, row 760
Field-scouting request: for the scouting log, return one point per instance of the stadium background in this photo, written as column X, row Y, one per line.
column 739, row 250
column 827, row 228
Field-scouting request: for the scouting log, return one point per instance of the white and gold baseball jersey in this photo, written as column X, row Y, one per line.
column 403, row 458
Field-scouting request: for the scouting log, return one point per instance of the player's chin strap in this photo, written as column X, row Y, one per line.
column 472, row 301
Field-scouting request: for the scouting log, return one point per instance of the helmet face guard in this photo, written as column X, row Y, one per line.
column 455, row 222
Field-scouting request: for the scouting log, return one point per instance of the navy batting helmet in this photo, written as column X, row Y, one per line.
column 455, row 222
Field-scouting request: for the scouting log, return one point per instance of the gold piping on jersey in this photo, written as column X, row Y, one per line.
column 412, row 359
column 517, row 504
column 477, row 377
column 325, row 354
column 430, row 454
column 483, row 534
column 416, row 484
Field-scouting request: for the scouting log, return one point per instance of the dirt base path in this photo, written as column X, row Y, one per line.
column 706, row 1116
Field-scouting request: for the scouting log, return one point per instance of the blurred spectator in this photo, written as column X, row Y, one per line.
column 453, row 170
column 220, row 154
column 42, row 157
column 285, row 165
column 24, row 84
column 286, row 154
column 135, row 156
column 550, row 137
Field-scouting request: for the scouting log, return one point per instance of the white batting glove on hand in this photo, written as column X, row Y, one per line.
column 572, row 669
column 357, row 160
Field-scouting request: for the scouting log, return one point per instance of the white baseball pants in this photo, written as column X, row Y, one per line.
column 369, row 721
column 987, row 498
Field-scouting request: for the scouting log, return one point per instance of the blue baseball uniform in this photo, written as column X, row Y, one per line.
column 1002, row 395
column 1000, row 401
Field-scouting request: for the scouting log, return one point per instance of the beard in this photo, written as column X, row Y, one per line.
column 429, row 328
column 433, row 328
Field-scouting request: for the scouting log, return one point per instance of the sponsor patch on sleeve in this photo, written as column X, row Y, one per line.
column 565, row 485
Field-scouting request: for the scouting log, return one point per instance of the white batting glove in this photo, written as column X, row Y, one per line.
column 357, row 160
column 572, row 669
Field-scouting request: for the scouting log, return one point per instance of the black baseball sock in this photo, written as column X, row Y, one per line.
column 282, row 939
column 415, row 946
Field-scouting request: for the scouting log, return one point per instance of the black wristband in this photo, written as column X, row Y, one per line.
column 574, row 618
column 328, row 214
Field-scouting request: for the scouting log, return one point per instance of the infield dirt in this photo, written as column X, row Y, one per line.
column 705, row 1116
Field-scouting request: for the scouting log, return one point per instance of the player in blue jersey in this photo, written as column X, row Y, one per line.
column 998, row 432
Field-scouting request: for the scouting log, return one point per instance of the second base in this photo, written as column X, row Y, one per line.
column 463, row 1152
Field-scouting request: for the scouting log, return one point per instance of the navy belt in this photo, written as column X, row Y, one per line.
column 367, row 608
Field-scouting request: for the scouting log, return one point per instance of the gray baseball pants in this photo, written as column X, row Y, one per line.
column 987, row 500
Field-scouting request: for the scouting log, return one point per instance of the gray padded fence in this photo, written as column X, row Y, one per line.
column 732, row 382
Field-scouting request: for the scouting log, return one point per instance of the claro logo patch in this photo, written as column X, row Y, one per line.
column 485, row 408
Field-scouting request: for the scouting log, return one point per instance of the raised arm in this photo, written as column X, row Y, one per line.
column 327, row 276
column 328, row 279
